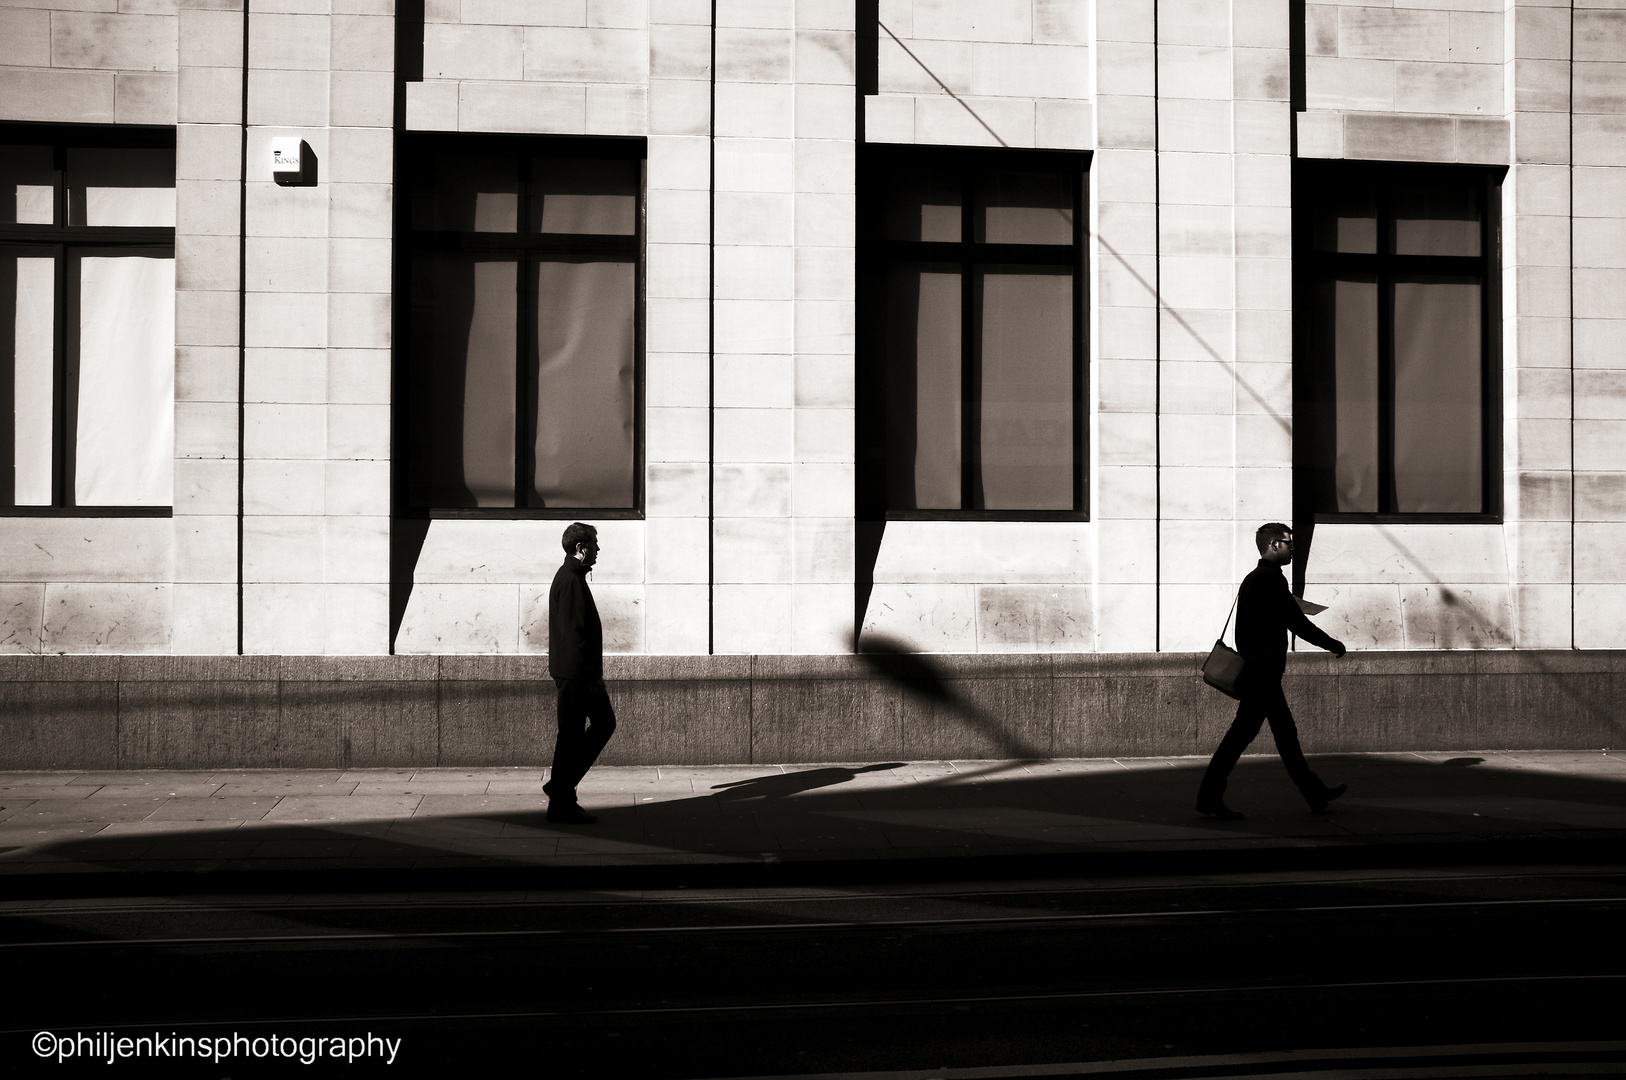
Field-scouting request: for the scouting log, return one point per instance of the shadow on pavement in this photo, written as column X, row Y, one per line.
column 884, row 822
column 779, row 785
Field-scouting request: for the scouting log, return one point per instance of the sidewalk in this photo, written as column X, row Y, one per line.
column 1081, row 816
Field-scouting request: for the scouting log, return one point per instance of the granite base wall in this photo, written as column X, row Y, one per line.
column 142, row 712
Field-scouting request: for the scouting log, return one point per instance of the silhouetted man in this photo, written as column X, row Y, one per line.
column 1265, row 612
column 576, row 662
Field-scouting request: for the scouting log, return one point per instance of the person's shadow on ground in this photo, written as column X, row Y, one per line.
column 782, row 784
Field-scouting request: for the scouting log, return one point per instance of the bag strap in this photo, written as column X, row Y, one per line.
column 1228, row 615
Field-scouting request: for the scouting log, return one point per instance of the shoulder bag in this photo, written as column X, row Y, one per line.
column 1223, row 668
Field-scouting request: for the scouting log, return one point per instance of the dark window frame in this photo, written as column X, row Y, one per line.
column 1312, row 178
column 64, row 242
column 526, row 247
column 876, row 254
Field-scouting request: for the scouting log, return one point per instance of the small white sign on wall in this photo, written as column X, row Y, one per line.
column 288, row 155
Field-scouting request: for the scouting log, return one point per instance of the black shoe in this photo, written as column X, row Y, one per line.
column 569, row 815
column 1318, row 805
column 1217, row 809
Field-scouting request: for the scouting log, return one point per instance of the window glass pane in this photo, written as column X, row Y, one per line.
column 1440, row 219
column 1354, row 320
column 1026, row 388
column 460, row 431
column 121, row 187
column 468, row 194
column 923, row 370
column 27, row 310
column 1438, row 414
column 923, row 205
column 1024, row 208
column 27, row 186
column 1347, row 220
column 124, row 453
column 584, row 383
column 582, row 196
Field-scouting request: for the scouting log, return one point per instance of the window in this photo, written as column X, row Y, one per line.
column 1396, row 383
column 971, row 374
column 87, row 320
column 521, row 392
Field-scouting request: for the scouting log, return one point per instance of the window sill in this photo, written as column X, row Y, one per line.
column 1408, row 519
column 87, row 511
column 507, row 513
column 987, row 515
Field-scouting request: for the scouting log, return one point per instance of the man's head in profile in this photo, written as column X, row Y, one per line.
column 581, row 543
column 1275, row 543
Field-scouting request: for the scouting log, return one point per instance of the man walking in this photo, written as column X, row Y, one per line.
column 576, row 662
column 1265, row 612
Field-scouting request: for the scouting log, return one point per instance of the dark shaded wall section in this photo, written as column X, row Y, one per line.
column 130, row 712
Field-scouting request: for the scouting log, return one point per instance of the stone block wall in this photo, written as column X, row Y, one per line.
column 209, row 148
column 104, row 62
column 782, row 530
column 1598, row 184
column 316, row 413
column 1411, row 81
column 998, row 73
column 1225, row 272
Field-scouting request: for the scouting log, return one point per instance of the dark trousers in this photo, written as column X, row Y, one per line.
column 579, row 743
column 1262, row 699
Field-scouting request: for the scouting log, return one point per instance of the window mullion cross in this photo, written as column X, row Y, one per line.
column 60, row 465
column 522, row 345
column 970, row 414
column 1387, row 502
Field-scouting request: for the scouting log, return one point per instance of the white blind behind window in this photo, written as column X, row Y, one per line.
column 125, row 446
column 33, row 372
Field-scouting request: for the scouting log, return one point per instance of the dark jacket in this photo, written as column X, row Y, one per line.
column 1265, row 613
column 575, row 636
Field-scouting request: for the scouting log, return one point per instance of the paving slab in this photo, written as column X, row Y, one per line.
column 343, row 808
column 517, row 849
column 178, row 846
column 532, row 788
column 137, row 777
column 52, row 811
column 414, row 829
column 536, row 828
column 480, row 775
column 422, row 787
column 301, row 776
column 131, row 830
column 331, row 848
column 25, row 787
column 13, row 807
column 26, row 839
column 225, row 808
column 178, row 788
column 109, row 848
column 452, row 805
column 292, row 786
column 298, row 829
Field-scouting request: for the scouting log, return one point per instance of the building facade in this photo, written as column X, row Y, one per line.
column 958, row 326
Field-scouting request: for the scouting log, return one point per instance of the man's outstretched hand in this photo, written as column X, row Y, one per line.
column 1339, row 650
